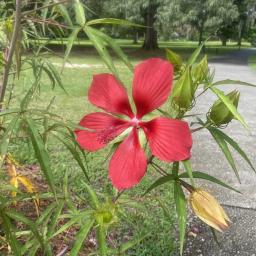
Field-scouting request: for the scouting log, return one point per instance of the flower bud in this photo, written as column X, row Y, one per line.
column 183, row 90
column 206, row 207
column 219, row 113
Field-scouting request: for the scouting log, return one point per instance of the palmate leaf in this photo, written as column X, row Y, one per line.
column 180, row 202
column 205, row 176
column 228, row 103
column 41, row 153
column 235, row 146
column 224, row 148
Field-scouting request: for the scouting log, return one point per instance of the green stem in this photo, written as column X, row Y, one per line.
column 187, row 186
column 15, row 35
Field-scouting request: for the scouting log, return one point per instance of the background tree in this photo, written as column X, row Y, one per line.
column 246, row 17
column 158, row 16
column 208, row 15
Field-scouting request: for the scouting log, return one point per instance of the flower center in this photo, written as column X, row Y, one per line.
column 135, row 121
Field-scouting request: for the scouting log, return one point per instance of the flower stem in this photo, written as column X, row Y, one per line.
column 187, row 186
column 15, row 35
column 159, row 169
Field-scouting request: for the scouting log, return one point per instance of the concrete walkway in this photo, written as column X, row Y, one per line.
column 240, row 239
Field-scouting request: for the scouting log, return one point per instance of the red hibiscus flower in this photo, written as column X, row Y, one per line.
column 169, row 139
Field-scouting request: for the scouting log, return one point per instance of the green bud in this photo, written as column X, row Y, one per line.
column 183, row 90
column 106, row 214
column 200, row 71
column 174, row 59
column 219, row 113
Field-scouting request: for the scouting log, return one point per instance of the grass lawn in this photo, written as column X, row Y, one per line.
column 182, row 47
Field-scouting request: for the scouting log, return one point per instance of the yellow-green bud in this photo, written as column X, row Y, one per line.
column 219, row 113
column 207, row 208
column 183, row 90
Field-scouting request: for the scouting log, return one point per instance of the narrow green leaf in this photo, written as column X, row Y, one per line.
column 195, row 55
column 93, row 196
column 189, row 170
column 10, row 236
column 205, row 176
column 229, row 105
column 180, row 202
column 41, row 153
column 54, row 219
column 44, row 13
column 113, row 21
column 116, row 48
column 19, row 217
column 128, row 245
column 6, row 136
column 159, row 182
column 74, row 219
column 70, row 42
column 81, row 236
column 64, row 13
column 233, row 82
column 101, row 48
column 235, row 145
column 56, row 76
column 75, row 155
column 224, row 147
column 79, row 13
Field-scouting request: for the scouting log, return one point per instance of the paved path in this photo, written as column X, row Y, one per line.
column 241, row 238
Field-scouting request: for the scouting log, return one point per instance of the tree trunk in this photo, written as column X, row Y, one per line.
column 135, row 36
column 150, row 42
column 201, row 31
column 224, row 42
column 240, row 32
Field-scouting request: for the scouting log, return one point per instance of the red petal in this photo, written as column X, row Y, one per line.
column 128, row 164
column 151, row 85
column 103, row 128
column 107, row 92
column 169, row 139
